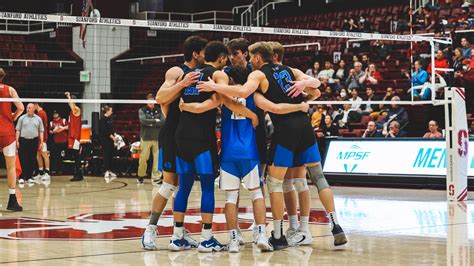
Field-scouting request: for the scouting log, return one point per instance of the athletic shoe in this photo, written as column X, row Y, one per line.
column 21, row 181
column 290, row 232
column 148, row 238
column 13, row 204
column 30, row 182
column 255, row 235
column 193, row 242
column 140, row 180
column 78, row 177
column 263, row 244
column 38, row 177
column 45, row 177
column 113, row 176
column 233, row 246
column 210, row 245
column 278, row 244
column 178, row 244
column 300, row 238
column 339, row 236
column 240, row 237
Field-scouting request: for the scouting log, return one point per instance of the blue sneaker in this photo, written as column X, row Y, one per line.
column 178, row 244
column 210, row 245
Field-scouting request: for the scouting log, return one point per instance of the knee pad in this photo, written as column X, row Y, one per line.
column 274, row 184
column 166, row 190
column 231, row 196
column 256, row 194
column 288, row 185
column 316, row 175
column 301, row 184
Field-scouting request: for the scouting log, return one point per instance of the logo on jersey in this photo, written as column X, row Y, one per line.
column 120, row 226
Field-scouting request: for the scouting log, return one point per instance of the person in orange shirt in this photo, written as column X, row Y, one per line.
column 74, row 136
column 440, row 62
column 8, row 138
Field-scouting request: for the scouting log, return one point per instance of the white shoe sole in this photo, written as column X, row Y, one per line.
column 148, row 247
column 208, row 250
column 264, row 247
column 173, row 247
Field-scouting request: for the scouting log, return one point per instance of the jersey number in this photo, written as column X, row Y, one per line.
column 191, row 90
column 236, row 116
column 283, row 78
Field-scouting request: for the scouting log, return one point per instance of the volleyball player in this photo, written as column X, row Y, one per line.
column 74, row 136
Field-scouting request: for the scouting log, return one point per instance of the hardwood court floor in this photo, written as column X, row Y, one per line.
column 93, row 222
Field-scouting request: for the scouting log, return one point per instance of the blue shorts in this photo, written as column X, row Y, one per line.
column 203, row 164
column 286, row 158
column 234, row 172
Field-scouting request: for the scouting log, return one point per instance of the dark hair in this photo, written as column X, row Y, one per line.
column 264, row 49
column 239, row 74
column 238, row 44
column 214, row 50
column 105, row 109
column 39, row 104
column 150, row 96
column 193, row 44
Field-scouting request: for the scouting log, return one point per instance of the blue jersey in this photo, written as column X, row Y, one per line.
column 239, row 141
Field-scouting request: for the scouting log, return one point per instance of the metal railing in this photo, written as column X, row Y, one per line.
column 26, row 61
column 215, row 16
column 164, row 57
column 262, row 14
column 25, row 27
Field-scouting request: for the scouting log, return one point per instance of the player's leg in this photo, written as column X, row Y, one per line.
column 9, row 153
column 145, row 146
column 290, row 202
column 39, row 159
column 303, row 235
column 177, row 243
column 45, row 156
column 230, row 182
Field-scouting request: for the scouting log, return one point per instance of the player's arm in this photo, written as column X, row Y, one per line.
column 239, row 109
column 76, row 111
column 199, row 108
column 173, row 85
column 241, row 91
column 304, row 83
column 281, row 108
column 19, row 105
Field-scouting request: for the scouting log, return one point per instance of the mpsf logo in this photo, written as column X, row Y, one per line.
column 352, row 157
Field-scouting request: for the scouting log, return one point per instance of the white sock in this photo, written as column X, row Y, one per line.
column 262, row 229
column 304, row 220
column 293, row 221
column 233, row 234
column 178, row 231
column 11, row 191
column 333, row 219
column 278, row 228
column 206, row 233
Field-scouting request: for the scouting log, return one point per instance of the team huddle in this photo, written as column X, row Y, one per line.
column 190, row 98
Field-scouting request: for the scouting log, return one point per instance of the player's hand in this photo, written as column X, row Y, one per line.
column 68, row 94
column 296, row 88
column 17, row 145
column 254, row 121
column 40, row 146
column 206, row 86
column 304, row 107
column 181, row 104
column 190, row 79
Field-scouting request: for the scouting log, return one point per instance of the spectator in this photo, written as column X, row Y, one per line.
column 43, row 156
column 345, row 25
column 466, row 48
column 355, row 78
column 328, row 128
column 327, row 95
column 29, row 138
column 151, row 120
column 368, row 109
column 418, row 76
column 365, row 61
column 433, row 132
column 356, row 100
column 107, row 139
column 457, row 59
column 394, row 131
column 344, row 117
column 465, row 79
column 372, row 76
column 382, row 50
column 313, row 72
column 463, row 19
column 317, row 116
column 396, row 113
column 364, row 24
column 389, row 94
column 341, row 72
column 440, row 62
column 328, row 71
column 352, row 25
column 426, row 90
column 343, row 95
column 371, row 131
column 58, row 128
column 355, row 59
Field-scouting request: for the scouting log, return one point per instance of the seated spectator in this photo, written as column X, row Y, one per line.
column 328, row 71
column 313, row 72
column 317, row 116
column 394, row 131
column 424, row 93
column 345, row 25
column 341, row 72
column 356, row 100
column 433, row 132
column 418, row 76
column 388, row 97
column 382, row 50
column 355, row 78
column 328, row 128
column 457, row 59
column 466, row 48
column 372, row 76
column 364, row 24
column 365, row 61
column 352, row 25
column 368, row 109
column 327, row 95
column 346, row 116
column 440, row 62
column 371, row 131
column 463, row 19
column 396, row 113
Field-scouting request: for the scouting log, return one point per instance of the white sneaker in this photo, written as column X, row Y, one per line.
column 263, row 244
column 255, row 235
column 107, row 177
column 21, row 181
column 45, row 177
column 38, row 177
column 112, row 176
column 193, row 242
column 233, row 246
column 300, row 238
column 30, row 182
column 148, row 238
column 240, row 237
column 290, row 232
column 178, row 244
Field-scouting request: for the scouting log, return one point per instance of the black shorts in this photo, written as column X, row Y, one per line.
column 293, row 143
column 262, row 144
column 167, row 145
